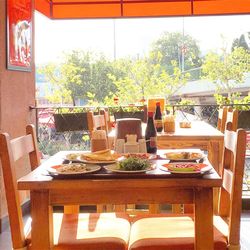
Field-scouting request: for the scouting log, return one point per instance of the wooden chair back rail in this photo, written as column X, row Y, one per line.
column 231, row 192
column 11, row 151
column 95, row 121
column 20, row 146
column 34, row 156
column 107, row 119
column 232, row 116
column 222, row 116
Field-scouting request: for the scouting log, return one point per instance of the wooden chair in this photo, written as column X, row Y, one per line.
column 65, row 225
column 232, row 116
column 222, row 117
column 95, row 123
column 169, row 233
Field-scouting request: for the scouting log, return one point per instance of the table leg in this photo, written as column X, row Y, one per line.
column 42, row 220
column 204, row 219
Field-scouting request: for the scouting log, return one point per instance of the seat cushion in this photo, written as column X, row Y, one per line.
column 91, row 231
column 170, row 232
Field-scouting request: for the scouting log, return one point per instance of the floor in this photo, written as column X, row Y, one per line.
column 5, row 238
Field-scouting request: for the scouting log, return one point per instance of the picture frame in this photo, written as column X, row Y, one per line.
column 19, row 35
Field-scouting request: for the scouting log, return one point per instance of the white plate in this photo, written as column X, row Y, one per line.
column 197, row 156
column 204, row 168
column 115, row 168
column 86, row 169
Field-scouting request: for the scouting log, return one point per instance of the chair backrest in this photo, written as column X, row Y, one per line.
column 232, row 116
column 96, row 122
column 128, row 126
column 231, row 192
column 10, row 152
column 222, row 117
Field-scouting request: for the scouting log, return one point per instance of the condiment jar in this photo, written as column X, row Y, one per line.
column 169, row 123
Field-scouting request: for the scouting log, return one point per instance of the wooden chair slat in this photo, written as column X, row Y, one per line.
column 22, row 145
column 228, row 180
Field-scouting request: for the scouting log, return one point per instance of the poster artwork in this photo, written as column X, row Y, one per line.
column 19, row 34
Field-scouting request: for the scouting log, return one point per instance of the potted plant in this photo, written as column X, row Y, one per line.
column 71, row 119
column 130, row 112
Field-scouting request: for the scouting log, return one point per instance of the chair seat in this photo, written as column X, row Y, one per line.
column 90, row 231
column 106, row 231
column 171, row 232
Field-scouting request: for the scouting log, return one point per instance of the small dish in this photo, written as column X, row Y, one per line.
column 72, row 156
column 183, row 156
column 185, row 124
column 145, row 156
column 186, row 168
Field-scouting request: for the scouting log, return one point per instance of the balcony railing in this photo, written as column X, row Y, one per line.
column 75, row 136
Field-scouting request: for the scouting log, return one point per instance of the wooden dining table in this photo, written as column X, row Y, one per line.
column 105, row 187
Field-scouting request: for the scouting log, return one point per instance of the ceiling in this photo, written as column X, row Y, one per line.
column 71, row 9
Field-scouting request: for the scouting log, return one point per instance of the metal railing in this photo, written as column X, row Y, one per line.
column 51, row 139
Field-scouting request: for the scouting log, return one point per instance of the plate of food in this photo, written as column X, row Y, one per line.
column 131, row 165
column 186, row 168
column 140, row 156
column 183, row 156
column 72, row 156
column 98, row 157
column 73, row 169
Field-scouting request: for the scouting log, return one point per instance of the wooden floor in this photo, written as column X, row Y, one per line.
column 5, row 238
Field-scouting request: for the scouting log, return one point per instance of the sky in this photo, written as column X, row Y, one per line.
column 133, row 37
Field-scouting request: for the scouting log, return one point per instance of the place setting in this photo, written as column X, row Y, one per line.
column 186, row 169
column 131, row 165
column 184, row 156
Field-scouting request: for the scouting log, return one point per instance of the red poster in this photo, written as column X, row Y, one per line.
column 19, row 27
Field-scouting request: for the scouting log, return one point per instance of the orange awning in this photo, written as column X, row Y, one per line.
column 69, row 9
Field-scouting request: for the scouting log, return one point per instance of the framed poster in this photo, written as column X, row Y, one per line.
column 19, row 34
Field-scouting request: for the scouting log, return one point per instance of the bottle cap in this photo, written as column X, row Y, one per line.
column 150, row 114
column 158, row 103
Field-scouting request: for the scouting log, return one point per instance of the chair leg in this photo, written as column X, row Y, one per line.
column 71, row 209
column 100, row 208
column 119, row 208
column 176, row 209
column 154, row 208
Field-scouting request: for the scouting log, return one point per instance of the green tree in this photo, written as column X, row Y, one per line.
column 81, row 75
column 174, row 46
column 146, row 77
column 227, row 72
column 243, row 41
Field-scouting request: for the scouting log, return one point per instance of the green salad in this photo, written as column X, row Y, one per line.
column 133, row 164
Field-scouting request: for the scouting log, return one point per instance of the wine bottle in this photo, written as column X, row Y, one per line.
column 150, row 134
column 158, row 118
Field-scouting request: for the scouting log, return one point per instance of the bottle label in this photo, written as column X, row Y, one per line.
column 152, row 142
column 158, row 124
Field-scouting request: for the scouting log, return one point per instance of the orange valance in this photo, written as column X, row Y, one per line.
column 70, row 9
